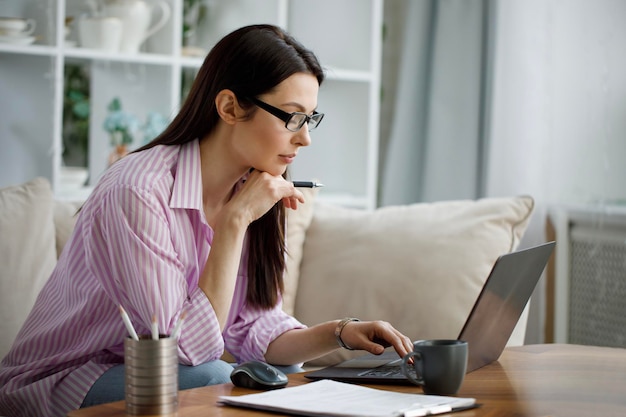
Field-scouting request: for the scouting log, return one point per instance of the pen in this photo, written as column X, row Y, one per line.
column 128, row 324
column 155, row 328
column 436, row 409
column 307, row 184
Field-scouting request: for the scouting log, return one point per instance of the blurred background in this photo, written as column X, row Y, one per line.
column 496, row 98
column 426, row 100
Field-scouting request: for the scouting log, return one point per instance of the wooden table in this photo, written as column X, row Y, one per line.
column 532, row 380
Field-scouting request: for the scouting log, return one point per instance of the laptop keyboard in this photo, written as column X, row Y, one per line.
column 389, row 370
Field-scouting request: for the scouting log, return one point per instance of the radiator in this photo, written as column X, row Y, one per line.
column 590, row 276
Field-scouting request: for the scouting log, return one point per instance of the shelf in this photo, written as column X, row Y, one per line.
column 344, row 154
column 191, row 62
column 332, row 73
column 89, row 54
column 28, row 49
column 95, row 55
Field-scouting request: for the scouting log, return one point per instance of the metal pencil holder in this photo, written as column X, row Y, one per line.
column 151, row 368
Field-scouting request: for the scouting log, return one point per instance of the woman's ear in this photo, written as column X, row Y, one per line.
column 228, row 107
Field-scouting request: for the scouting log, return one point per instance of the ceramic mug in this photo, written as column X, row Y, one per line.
column 439, row 365
column 16, row 27
column 102, row 33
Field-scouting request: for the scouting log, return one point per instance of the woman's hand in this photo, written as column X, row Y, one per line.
column 261, row 192
column 374, row 337
column 302, row 345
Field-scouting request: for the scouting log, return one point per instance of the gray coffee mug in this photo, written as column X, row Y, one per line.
column 439, row 365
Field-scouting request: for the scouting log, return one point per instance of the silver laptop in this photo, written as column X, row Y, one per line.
column 487, row 328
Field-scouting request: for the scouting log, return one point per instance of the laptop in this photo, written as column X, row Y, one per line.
column 487, row 328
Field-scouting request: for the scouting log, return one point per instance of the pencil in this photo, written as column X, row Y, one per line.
column 155, row 328
column 128, row 324
column 179, row 324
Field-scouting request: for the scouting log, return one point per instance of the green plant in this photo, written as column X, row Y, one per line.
column 124, row 128
column 76, row 110
column 155, row 124
column 120, row 125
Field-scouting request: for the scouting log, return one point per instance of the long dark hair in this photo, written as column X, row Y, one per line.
column 250, row 61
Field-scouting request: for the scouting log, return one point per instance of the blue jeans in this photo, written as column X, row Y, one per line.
column 110, row 386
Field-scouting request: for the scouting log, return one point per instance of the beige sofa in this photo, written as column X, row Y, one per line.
column 418, row 266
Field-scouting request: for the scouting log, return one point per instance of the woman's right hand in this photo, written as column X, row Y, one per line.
column 260, row 193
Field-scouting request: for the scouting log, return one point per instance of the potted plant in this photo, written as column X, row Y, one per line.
column 122, row 127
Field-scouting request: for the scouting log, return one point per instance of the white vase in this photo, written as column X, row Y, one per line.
column 103, row 33
column 136, row 16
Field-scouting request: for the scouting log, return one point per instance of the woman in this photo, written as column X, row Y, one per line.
column 193, row 222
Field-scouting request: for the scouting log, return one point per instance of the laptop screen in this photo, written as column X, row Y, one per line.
column 501, row 303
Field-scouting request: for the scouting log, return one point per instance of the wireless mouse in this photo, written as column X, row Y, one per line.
column 258, row 375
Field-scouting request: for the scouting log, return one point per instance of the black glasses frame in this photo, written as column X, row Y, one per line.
column 286, row 117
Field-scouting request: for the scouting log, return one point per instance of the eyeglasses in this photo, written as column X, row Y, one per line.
column 293, row 121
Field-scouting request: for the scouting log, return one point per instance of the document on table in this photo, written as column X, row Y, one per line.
column 332, row 398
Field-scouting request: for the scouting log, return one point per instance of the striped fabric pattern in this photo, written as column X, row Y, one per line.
column 141, row 241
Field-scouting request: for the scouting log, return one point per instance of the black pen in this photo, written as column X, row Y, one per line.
column 307, row 184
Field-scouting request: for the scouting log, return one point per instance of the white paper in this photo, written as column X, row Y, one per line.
column 332, row 398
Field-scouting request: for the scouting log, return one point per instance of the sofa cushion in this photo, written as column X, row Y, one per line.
column 420, row 266
column 27, row 252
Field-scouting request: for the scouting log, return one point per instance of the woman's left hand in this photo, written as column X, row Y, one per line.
column 375, row 336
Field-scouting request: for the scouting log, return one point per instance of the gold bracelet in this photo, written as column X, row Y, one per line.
column 339, row 329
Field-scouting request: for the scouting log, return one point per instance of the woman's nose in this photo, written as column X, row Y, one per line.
column 302, row 136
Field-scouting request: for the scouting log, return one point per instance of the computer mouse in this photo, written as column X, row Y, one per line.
column 258, row 375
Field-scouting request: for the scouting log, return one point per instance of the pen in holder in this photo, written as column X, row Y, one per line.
column 151, row 368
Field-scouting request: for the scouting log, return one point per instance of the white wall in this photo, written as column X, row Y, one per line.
column 558, row 110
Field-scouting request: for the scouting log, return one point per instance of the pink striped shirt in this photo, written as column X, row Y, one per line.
column 141, row 241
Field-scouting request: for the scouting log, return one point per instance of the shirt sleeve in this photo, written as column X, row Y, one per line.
column 250, row 335
column 130, row 251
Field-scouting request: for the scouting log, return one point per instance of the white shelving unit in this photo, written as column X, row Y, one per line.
column 345, row 35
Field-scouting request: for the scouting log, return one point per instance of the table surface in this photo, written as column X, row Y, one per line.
column 531, row 380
